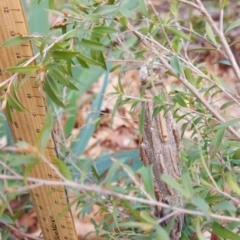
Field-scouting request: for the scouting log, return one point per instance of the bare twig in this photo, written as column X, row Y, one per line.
column 217, row 31
column 97, row 189
column 160, row 24
column 32, row 59
column 200, row 98
column 221, row 16
column 151, row 41
column 137, row 183
column 186, row 83
column 20, row 232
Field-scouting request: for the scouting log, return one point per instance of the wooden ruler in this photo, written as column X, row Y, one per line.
column 50, row 202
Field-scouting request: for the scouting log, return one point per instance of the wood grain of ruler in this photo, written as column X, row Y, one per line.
column 50, row 202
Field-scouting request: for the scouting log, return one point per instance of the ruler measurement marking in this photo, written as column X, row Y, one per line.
column 30, row 96
column 50, row 147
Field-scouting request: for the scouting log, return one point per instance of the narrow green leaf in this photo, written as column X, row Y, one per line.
column 143, row 7
column 161, row 233
column 226, row 124
column 186, row 180
column 58, row 76
column 14, row 103
column 158, row 100
column 224, row 62
column 210, row 34
column 212, row 199
column 202, row 205
column 93, row 17
column 79, row 145
column 5, row 234
column 123, row 21
column 8, row 112
column 105, row 29
column 233, row 25
column 15, row 41
column 147, row 218
column 184, row 236
column 114, row 213
column 101, row 59
column 217, row 141
column 180, row 100
column 196, row 121
column 176, row 65
column 178, row 33
column 25, row 69
column 15, row 93
column 174, row 184
column 71, row 34
column 236, row 154
column 103, row 163
column 28, row 169
column 54, row 85
column 52, row 95
column 46, row 132
column 233, row 43
column 63, row 168
column 116, row 106
column 224, row 232
column 90, row 44
column 111, row 174
column 157, row 110
column 72, row 86
column 106, row 9
column 225, row 105
column 22, row 159
column 6, row 219
column 224, row 206
column 45, row 41
column 19, row 84
column 232, row 183
column 198, row 230
column 89, row 60
column 82, row 62
column 147, row 178
column 89, row 78
column 63, row 54
column 218, row 80
column 120, row 86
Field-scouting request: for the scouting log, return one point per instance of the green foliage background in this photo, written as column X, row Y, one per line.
column 82, row 52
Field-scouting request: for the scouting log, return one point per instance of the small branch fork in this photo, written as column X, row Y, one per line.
column 219, row 32
column 154, row 47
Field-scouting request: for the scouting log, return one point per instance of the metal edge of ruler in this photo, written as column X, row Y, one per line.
column 50, row 202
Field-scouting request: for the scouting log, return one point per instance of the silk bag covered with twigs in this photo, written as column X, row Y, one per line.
column 161, row 145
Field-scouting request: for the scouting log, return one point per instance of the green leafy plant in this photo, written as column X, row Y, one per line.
column 95, row 38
